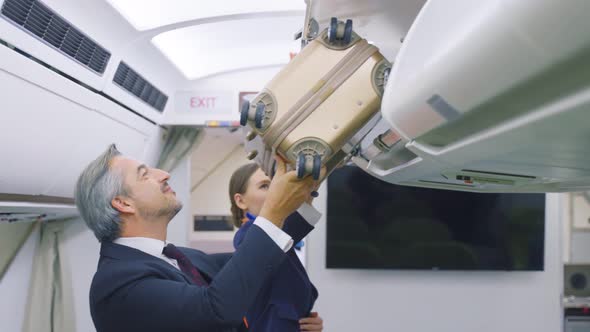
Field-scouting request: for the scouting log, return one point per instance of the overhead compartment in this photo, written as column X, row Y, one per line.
column 492, row 97
column 39, row 30
column 91, row 50
column 51, row 127
column 484, row 65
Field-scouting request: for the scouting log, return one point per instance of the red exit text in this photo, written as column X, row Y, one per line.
column 202, row 102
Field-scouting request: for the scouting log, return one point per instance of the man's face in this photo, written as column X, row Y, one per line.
column 148, row 189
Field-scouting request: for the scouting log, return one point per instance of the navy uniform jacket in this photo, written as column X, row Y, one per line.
column 135, row 291
column 288, row 295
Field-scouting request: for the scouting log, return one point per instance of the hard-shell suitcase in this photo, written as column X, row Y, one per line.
column 317, row 102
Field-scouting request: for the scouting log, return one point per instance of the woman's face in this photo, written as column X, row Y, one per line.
column 253, row 199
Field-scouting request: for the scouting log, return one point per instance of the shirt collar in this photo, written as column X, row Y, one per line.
column 150, row 246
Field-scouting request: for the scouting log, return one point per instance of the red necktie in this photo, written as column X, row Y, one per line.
column 185, row 264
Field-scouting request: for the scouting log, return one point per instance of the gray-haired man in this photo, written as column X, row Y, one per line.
column 143, row 284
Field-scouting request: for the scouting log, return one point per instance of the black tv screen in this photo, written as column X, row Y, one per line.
column 377, row 225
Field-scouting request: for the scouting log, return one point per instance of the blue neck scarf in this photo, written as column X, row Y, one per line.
column 250, row 216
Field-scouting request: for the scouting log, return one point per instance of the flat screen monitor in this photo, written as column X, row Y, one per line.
column 372, row 224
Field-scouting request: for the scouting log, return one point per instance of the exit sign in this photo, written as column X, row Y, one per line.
column 204, row 102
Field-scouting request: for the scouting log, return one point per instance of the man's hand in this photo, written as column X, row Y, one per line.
column 285, row 194
column 312, row 323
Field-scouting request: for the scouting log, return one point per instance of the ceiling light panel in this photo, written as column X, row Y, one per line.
column 209, row 49
column 149, row 14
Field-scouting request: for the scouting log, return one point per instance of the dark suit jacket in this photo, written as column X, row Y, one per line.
column 288, row 295
column 134, row 291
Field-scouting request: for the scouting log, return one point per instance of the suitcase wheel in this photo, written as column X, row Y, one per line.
column 347, row 32
column 244, row 113
column 273, row 169
column 250, row 135
column 252, row 154
column 386, row 73
column 333, row 30
column 381, row 73
column 304, row 168
column 300, row 166
column 317, row 167
column 340, row 33
column 259, row 116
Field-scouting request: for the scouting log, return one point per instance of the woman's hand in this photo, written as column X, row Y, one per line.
column 312, row 323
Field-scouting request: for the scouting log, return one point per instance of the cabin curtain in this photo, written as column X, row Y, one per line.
column 180, row 141
column 12, row 237
column 50, row 302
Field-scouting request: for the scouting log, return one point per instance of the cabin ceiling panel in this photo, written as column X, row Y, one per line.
column 150, row 14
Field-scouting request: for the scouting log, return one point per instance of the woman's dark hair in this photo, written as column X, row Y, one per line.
column 238, row 185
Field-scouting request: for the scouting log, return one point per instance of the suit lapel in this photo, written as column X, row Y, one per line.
column 121, row 252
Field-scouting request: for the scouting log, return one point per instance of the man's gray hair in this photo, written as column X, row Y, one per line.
column 95, row 189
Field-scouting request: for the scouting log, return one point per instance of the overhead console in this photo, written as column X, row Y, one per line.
column 52, row 127
column 56, row 115
column 80, row 48
column 492, row 97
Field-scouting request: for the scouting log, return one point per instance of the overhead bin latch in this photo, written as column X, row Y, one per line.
column 381, row 144
column 311, row 27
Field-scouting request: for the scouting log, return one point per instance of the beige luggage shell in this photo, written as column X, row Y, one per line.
column 336, row 110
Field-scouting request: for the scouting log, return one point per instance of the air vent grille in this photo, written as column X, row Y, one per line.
column 45, row 24
column 131, row 81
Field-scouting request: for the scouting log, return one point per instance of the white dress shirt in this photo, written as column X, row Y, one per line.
column 282, row 239
column 309, row 213
column 155, row 247
column 148, row 245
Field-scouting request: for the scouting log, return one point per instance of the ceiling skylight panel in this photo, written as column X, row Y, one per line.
column 148, row 14
column 209, row 49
